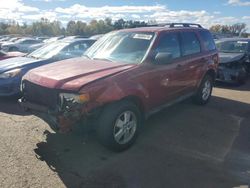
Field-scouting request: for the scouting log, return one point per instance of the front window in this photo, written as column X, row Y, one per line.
column 125, row 47
column 169, row 43
column 48, row 51
column 232, row 46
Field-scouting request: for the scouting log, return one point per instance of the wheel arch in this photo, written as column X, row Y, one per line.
column 137, row 101
column 212, row 73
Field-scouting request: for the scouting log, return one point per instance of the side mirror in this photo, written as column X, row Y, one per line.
column 163, row 58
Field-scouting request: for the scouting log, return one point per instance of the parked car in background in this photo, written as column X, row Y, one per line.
column 14, row 39
column 234, row 63
column 21, row 45
column 45, row 42
column 34, row 47
column 75, row 37
column 42, row 38
column 96, row 37
column 12, row 70
column 5, row 55
column 53, row 39
column 5, row 38
column 123, row 78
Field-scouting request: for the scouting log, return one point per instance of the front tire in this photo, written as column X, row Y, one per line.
column 119, row 125
column 204, row 92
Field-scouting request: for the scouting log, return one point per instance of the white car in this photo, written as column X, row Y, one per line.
column 21, row 45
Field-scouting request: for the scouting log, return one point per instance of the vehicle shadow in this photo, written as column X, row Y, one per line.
column 9, row 105
column 183, row 146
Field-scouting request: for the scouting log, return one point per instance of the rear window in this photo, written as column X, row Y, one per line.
column 190, row 43
column 208, row 40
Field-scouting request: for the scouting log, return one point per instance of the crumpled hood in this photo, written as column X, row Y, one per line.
column 16, row 62
column 74, row 73
column 230, row 57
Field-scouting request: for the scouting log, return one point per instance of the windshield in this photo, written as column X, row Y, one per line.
column 232, row 46
column 49, row 50
column 126, row 47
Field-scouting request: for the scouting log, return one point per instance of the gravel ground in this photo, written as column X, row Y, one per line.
column 183, row 146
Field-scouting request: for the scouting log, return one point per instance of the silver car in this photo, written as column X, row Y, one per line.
column 21, row 45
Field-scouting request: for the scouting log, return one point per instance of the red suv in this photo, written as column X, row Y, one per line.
column 123, row 78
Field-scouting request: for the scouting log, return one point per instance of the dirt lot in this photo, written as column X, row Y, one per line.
column 183, row 146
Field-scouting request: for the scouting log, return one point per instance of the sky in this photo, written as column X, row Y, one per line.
column 207, row 12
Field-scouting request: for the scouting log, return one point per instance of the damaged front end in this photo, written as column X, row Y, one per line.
column 71, row 110
column 232, row 72
column 60, row 110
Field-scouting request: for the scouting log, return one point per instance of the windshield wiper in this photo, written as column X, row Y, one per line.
column 86, row 56
column 32, row 56
column 104, row 59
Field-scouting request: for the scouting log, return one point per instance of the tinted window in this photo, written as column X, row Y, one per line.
column 190, row 43
column 208, row 40
column 169, row 43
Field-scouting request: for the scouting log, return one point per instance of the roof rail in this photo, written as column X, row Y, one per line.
column 177, row 25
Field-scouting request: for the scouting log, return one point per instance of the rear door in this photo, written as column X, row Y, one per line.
column 209, row 55
column 191, row 62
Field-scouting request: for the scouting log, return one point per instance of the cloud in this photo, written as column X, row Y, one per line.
column 238, row 3
column 246, row 18
column 76, row 8
column 217, row 12
column 50, row 0
column 44, row 14
column 159, row 13
column 16, row 5
column 17, row 10
column 82, row 12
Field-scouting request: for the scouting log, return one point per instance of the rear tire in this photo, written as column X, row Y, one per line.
column 204, row 91
column 119, row 125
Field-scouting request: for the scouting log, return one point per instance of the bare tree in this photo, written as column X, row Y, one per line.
column 238, row 28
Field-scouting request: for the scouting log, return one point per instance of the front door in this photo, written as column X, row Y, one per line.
column 161, row 78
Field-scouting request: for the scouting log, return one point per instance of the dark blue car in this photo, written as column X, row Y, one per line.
column 12, row 70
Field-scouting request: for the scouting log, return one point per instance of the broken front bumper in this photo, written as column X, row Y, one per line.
column 230, row 75
column 61, row 120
